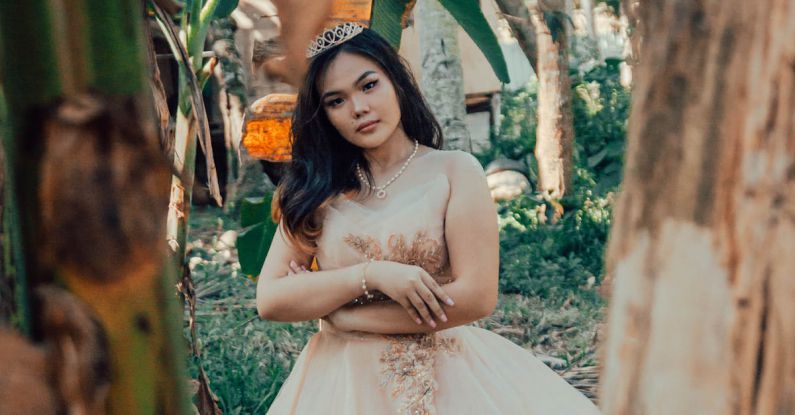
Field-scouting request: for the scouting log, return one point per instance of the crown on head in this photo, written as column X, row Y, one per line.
column 332, row 37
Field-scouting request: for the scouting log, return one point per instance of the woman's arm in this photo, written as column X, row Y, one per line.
column 472, row 237
column 301, row 297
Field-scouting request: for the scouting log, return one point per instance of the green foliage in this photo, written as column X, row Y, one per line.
column 470, row 16
column 554, row 260
column 32, row 77
column 223, row 33
column 614, row 4
column 386, row 19
column 225, row 8
column 387, row 16
column 517, row 132
column 257, row 233
column 116, row 58
column 601, row 109
column 246, row 359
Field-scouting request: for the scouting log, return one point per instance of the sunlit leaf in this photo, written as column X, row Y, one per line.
column 255, row 239
column 225, row 8
column 469, row 15
column 387, row 18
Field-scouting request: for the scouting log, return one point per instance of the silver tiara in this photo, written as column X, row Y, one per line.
column 332, row 37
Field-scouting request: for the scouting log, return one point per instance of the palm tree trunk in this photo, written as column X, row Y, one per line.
column 442, row 80
column 517, row 15
column 555, row 131
column 701, row 316
column 89, row 183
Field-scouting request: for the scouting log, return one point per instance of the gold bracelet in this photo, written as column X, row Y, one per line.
column 364, row 281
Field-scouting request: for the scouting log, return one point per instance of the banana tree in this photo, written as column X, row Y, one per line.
column 187, row 45
column 88, row 192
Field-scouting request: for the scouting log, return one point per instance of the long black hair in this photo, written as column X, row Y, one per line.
column 323, row 163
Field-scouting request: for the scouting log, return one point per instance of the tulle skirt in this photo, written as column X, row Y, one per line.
column 462, row 370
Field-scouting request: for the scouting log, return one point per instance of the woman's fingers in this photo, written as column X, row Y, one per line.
column 430, row 299
column 411, row 310
column 437, row 289
column 419, row 304
column 297, row 269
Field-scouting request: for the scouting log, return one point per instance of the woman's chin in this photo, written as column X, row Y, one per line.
column 370, row 141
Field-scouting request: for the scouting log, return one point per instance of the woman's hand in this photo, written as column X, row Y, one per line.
column 296, row 269
column 337, row 318
column 410, row 286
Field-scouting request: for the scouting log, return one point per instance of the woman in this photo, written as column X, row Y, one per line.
column 406, row 240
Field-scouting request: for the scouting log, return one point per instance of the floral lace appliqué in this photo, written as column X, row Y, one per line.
column 424, row 252
column 407, row 370
column 407, row 362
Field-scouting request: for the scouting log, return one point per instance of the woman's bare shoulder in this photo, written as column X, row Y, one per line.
column 457, row 163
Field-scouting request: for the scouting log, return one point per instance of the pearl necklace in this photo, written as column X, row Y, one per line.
column 381, row 190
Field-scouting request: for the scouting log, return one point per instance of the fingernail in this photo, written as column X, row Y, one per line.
column 292, row 263
column 450, row 301
column 444, row 318
column 418, row 321
column 433, row 323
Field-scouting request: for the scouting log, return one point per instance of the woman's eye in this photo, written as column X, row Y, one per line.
column 334, row 102
column 370, row 85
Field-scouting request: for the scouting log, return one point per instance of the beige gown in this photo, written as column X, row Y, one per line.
column 461, row 370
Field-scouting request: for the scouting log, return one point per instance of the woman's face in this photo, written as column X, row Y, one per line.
column 360, row 100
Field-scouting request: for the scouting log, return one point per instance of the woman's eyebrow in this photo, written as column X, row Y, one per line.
column 359, row 79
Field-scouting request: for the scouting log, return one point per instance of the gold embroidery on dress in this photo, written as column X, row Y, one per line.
column 407, row 369
column 426, row 253
column 408, row 360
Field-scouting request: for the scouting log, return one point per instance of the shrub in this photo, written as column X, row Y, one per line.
column 541, row 258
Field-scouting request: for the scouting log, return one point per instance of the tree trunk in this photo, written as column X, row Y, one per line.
column 517, row 15
column 630, row 11
column 90, row 189
column 555, row 132
column 702, row 317
column 442, row 80
column 7, row 284
column 587, row 9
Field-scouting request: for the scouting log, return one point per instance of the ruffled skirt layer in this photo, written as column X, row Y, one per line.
column 462, row 370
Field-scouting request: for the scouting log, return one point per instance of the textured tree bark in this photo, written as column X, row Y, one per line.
column 701, row 318
column 555, row 131
column 587, row 10
column 90, row 189
column 442, row 81
column 517, row 15
column 630, row 11
column 7, row 301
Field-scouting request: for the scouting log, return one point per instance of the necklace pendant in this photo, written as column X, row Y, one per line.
column 381, row 193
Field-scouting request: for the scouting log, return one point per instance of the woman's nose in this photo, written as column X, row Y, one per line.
column 360, row 106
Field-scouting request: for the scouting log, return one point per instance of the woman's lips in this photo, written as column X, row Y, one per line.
column 367, row 127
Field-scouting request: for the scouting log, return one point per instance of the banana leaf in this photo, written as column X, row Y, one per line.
column 255, row 239
column 389, row 16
